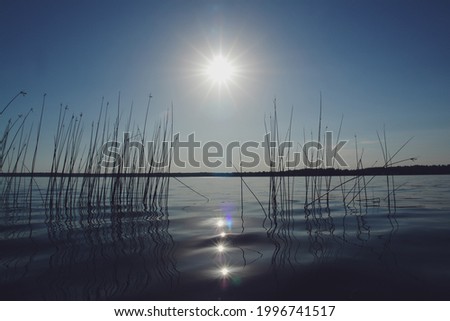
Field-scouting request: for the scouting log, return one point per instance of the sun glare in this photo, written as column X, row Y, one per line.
column 224, row 271
column 220, row 223
column 220, row 248
column 220, row 70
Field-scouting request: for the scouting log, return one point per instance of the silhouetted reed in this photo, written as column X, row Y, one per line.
column 76, row 177
column 319, row 192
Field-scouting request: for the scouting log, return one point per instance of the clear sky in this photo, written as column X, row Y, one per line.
column 376, row 62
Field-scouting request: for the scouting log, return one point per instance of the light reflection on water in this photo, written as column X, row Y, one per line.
column 216, row 249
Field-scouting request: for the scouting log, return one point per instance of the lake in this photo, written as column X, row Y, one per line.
column 221, row 238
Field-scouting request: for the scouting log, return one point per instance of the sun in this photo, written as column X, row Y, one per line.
column 220, row 70
column 220, row 75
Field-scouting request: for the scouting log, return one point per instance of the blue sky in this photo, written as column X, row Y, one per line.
column 379, row 63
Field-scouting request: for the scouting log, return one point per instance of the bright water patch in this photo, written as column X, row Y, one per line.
column 384, row 245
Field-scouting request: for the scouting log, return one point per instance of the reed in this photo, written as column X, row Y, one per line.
column 318, row 188
column 76, row 177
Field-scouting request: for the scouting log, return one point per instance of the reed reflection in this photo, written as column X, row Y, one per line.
column 320, row 228
column 17, row 246
column 333, row 228
column 281, row 224
column 89, row 254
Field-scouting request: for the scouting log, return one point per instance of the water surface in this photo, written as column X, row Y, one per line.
column 233, row 244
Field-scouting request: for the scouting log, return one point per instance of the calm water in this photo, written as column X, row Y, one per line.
column 222, row 246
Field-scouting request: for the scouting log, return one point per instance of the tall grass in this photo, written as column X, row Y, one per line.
column 319, row 188
column 76, row 177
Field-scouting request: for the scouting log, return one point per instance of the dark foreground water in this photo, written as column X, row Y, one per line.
column 381, row 245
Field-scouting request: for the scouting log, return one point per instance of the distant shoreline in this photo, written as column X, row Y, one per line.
column 372, row 171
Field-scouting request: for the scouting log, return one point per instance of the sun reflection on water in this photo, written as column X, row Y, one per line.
column 223, row 268
column 220, row 223
column 224, row 271
column 220, row 248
